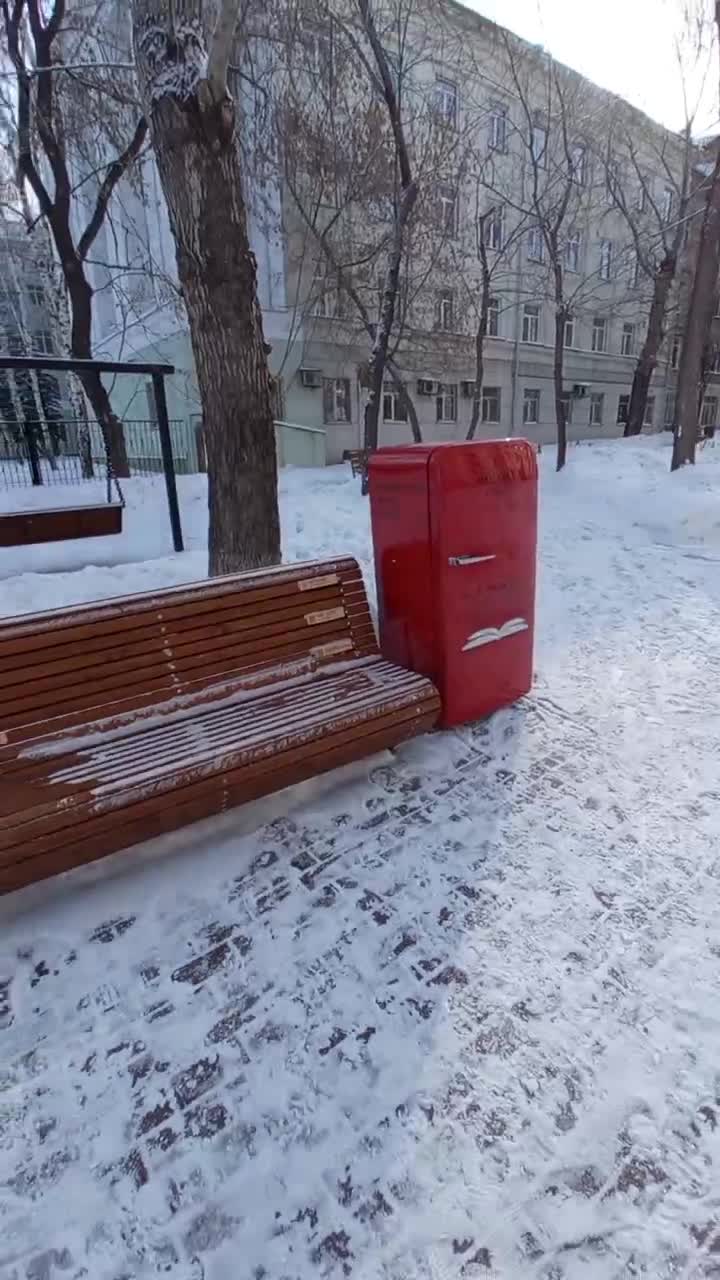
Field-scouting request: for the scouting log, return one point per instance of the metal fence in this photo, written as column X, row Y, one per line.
column 72, row 452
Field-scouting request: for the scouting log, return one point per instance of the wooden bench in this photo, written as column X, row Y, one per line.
column 124, row 720
column 357, row 459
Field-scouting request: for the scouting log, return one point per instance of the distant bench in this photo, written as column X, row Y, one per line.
column 124, row 720
column 357, row 459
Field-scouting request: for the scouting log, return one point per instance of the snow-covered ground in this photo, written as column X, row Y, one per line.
column 454, row 1014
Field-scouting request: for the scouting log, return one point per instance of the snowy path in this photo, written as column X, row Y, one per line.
column 459, row 1019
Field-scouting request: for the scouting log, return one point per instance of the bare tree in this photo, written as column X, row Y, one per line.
column 497, row 249
column 702, row 293
column 555, row 119
column 404, row 200
column 182, row 62
column 35, row 46
column 340, row 146
column 658, row 227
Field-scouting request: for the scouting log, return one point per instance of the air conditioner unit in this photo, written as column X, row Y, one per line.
column 426, row 387
column 311, row 378
column 580, row 390
column 467, row 388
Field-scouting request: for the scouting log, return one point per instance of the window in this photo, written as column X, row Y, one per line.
column 36, row 294
column 675, row 353
column 446, row 311
column 493, row 318
column 623, row 407
column 666, row 205
column 572, row 253
column 324, row 297
column 538, row 145
column 531, row 322
column 446, row 102
column 394, row 409
column 669, row 409
column 15, row 344
column 498, row 127
column 708, row 416
column 446, row 402
column 491, row 404
column 597, row 404
column 42, row 342
column 567, row 404
column 605, row 259
column 569, row 338
column 447, row 200
column 715, row 366
column 496, row 228
column 577, row 163
column 627, row 342
column 536, row 244
column 599, row 334
column 531, row 406
column 649, row 412
column 336, row 399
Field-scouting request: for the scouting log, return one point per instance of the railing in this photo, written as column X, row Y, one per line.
column 70, row 452
column 73, row 452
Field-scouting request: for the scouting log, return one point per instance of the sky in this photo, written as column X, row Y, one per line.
column 627, row 46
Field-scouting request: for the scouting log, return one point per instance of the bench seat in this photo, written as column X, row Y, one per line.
column 107, row 740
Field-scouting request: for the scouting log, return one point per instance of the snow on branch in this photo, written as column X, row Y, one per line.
column 221, row 47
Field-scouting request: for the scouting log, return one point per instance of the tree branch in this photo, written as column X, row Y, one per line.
column 391, row 100
column 221, row 47
column 114, row 173
column 25, row 162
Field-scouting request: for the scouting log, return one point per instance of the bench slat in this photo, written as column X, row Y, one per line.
column 48, row 830
column 204, row 802
column 107, row 617
column 76, row 653
column 236, row 725
column 210, row 652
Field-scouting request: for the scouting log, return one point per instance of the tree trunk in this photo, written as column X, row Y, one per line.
column 407, row 400
column 80, row 294
column 193, row 130
column 560, row 413
column 379, row 351
column 699, row 319
column 654, row 334
column 404, row 204
column 109, row 423
column 561, row 315
column 480, row 336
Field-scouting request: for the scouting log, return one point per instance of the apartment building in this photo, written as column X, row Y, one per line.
column 514, row 125
column 520, row 121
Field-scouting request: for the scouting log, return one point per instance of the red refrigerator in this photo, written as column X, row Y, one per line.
column 455, row 534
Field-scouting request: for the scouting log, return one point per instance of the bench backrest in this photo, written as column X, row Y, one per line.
column 71, row 666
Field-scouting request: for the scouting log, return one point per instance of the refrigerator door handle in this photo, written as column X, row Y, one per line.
column 460, row 561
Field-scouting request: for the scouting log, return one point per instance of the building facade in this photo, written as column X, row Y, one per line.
column 508, row 147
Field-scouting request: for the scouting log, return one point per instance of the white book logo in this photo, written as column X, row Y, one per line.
column 490, row 634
